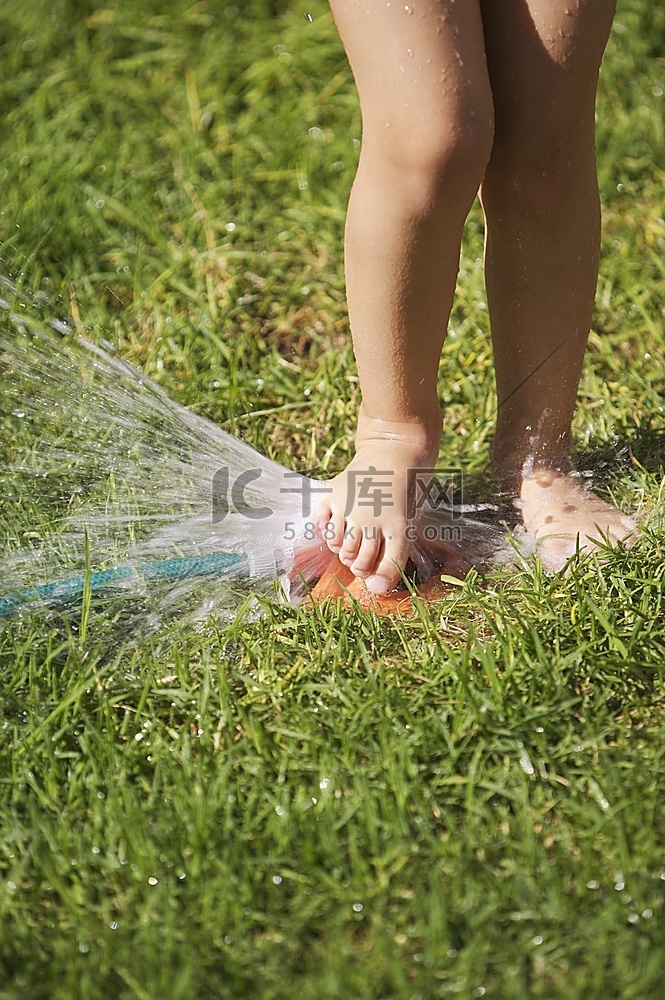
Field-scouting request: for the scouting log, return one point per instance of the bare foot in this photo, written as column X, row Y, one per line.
column 564, row 518
column 364, row 519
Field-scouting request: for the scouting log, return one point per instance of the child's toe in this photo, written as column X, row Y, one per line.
column 351, row 544
column 371, row 546
column 333, row 532
column 387, row 574
column 323, row 512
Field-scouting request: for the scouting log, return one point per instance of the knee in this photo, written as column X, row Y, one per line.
column 454, row 157
column 437, row 161
column 542, row 148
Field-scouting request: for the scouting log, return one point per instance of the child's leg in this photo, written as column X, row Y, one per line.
column 540, row 197
column 427, row 133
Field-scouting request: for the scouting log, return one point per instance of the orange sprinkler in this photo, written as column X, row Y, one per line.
column 339, row 583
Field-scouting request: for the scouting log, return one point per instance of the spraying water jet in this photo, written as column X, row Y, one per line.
column 140, row 497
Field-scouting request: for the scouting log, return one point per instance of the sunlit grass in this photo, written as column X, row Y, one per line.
column 469, row 802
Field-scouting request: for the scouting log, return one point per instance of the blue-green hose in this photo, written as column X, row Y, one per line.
column 168, row 570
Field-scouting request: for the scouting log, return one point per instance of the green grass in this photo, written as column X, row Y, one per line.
column 468, row 803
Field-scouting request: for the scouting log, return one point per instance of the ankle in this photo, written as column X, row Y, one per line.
column 421, row 431
column 512, row 461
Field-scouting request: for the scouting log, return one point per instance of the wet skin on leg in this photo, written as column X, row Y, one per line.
column 427, row 133
column 540, row 197
column 424, row 82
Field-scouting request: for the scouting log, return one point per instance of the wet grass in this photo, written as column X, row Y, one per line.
column 470, row 802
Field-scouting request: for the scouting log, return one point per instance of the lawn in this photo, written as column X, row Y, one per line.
column 469, row 802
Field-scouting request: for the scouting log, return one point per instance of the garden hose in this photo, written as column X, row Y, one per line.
column 62, row 592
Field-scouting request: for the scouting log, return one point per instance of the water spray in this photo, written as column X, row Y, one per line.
column 138, row 473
